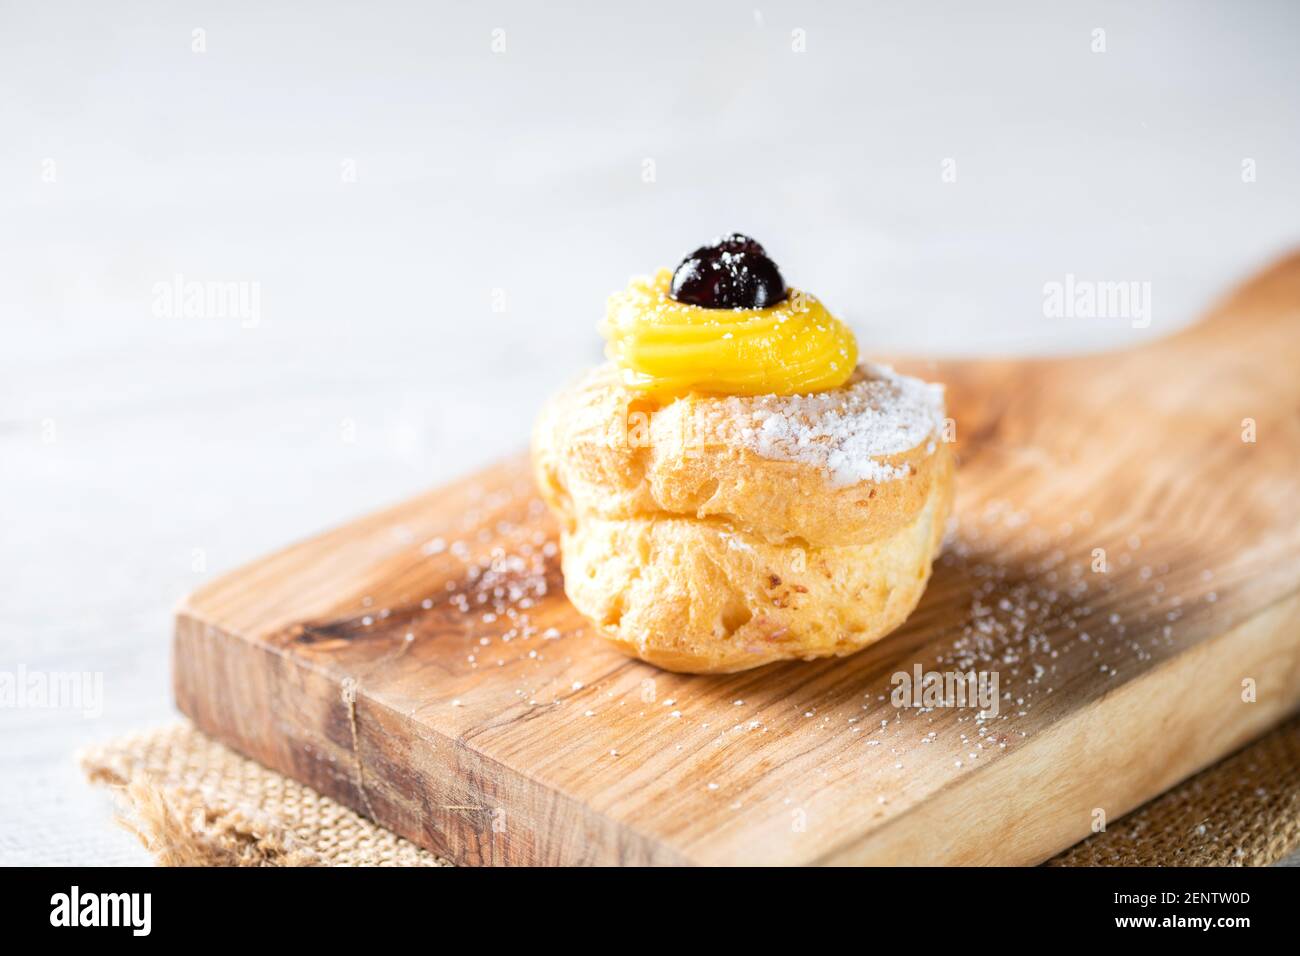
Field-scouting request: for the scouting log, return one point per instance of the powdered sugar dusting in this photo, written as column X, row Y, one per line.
column 844, row 432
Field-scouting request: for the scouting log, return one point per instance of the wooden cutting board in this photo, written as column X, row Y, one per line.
column 409, row 664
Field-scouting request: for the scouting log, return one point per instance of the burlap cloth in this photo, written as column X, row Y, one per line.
column 193, row 802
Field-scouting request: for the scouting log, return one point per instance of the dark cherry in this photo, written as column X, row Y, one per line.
column 732, row 272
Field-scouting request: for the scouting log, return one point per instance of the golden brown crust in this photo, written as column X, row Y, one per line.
column 698, row 596
column 599, row 449
column 698, row 554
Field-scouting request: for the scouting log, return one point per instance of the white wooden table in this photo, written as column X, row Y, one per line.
column 430, row 228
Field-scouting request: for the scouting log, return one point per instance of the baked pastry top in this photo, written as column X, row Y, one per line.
column 836, row 467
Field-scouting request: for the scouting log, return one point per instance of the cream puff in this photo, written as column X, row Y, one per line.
column 733, row 488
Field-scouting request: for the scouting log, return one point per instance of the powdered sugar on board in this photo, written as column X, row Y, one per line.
column 844, row 432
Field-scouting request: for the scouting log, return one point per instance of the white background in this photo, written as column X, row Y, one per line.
column 132, row 444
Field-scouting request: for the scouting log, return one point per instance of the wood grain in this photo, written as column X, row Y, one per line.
column 351, row 662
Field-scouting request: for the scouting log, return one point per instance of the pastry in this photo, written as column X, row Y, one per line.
column 732, row 487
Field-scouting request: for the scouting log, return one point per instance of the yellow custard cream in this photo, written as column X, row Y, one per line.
column 668, row 348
